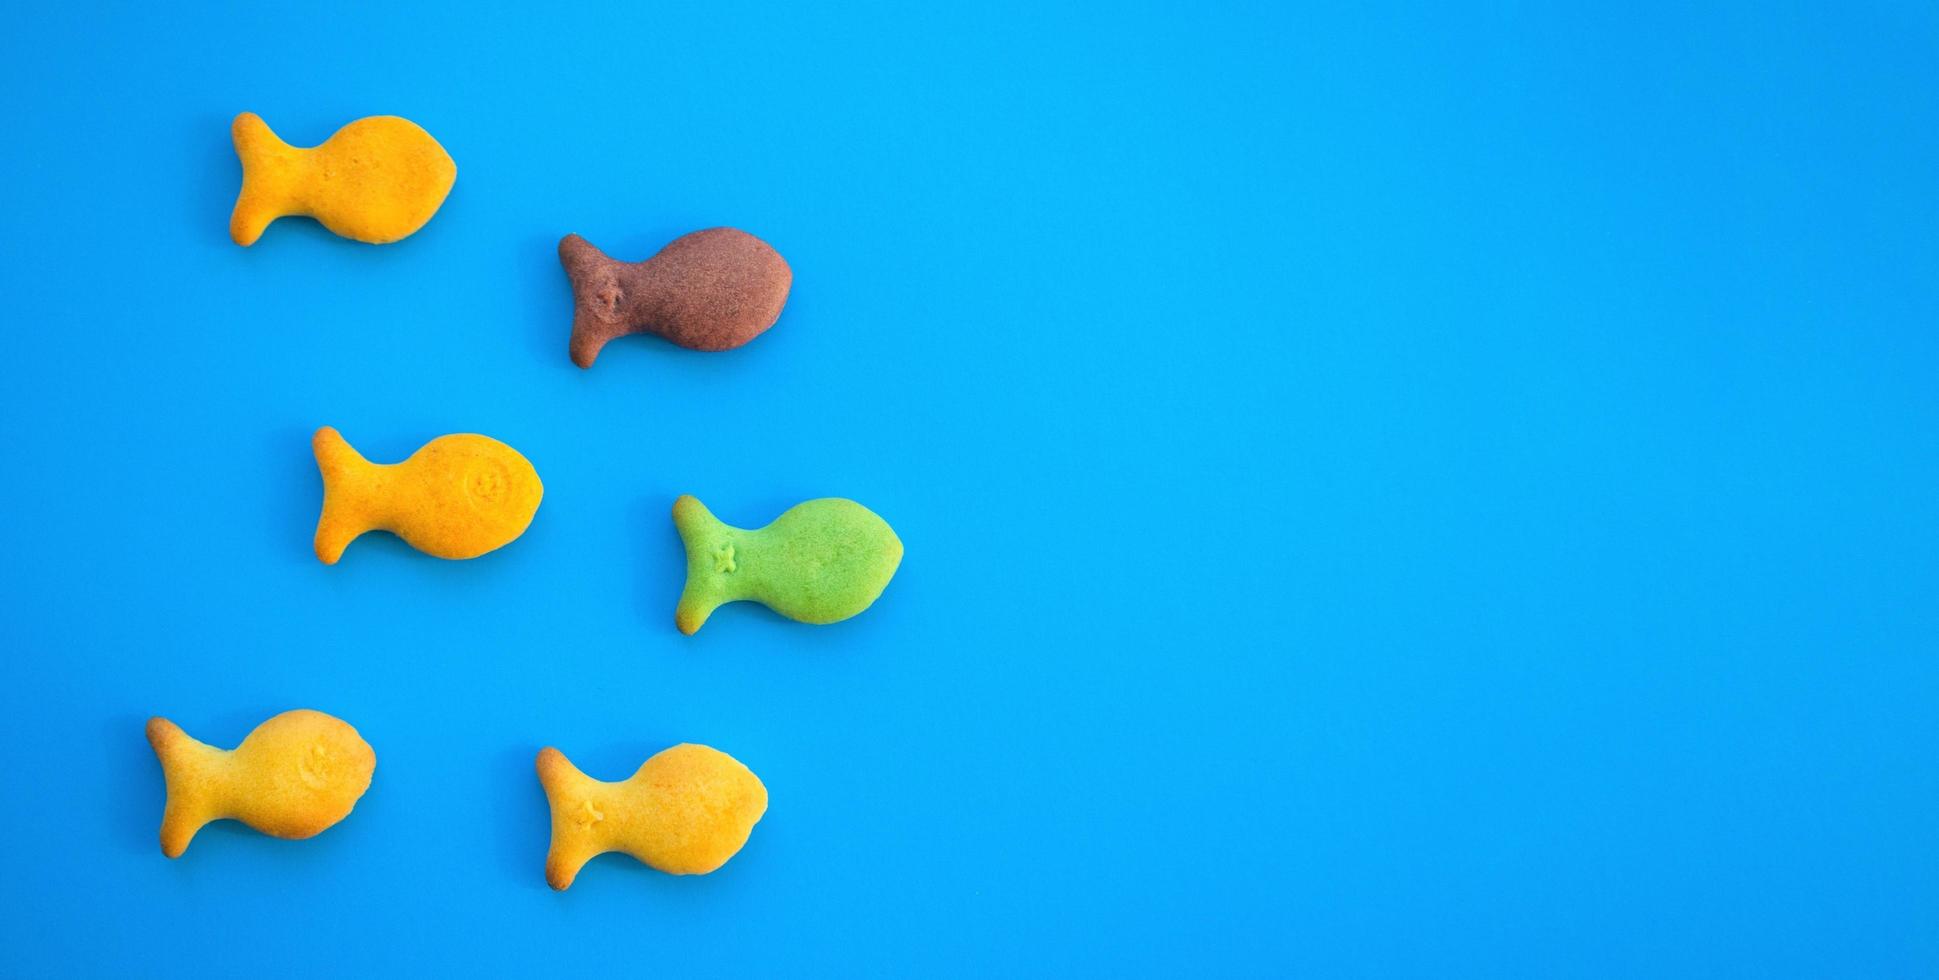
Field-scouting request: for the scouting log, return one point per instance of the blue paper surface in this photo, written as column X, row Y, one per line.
column 1411, row 490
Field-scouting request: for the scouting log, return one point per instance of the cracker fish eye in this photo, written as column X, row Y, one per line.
column 486, row 482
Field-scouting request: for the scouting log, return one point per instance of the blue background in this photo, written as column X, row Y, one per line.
column 1401, row 491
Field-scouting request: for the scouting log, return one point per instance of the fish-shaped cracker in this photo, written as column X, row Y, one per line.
column 375, row 180
column 819, row 562
column 457, row 497
column 294, row 777
column 685, row 811
column 711, row 290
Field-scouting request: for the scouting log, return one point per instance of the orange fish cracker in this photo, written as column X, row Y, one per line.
column 457, row 497
column 686, row 811
column 294, row 777
column 376, row 180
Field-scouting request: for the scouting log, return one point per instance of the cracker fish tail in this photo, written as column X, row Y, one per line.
column 705, row 538
column 344, row 512
column 595, row 298
column 269, row 167
column 191, row 784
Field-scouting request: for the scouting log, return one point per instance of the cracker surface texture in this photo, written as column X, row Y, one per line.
column 819, row 562
column 685, row 811
column 710, row 290
column 294, row 777
column 459, row 496
column 375, row 180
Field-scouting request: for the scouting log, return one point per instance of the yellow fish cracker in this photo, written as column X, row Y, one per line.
column 686, row 811
column 375, row 180
column 457, row 497
column 294, row 777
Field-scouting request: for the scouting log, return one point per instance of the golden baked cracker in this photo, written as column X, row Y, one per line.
column 375, row 180
column 685, row 811
column 294, row 777
column 458, row 496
